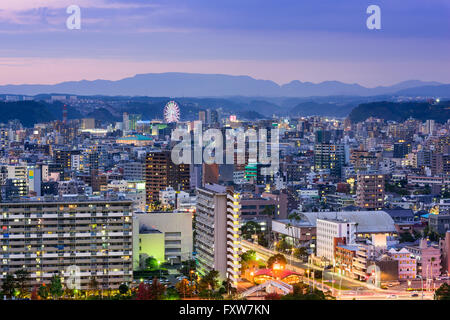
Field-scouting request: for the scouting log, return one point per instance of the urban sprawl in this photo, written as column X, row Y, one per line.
column 97, row 209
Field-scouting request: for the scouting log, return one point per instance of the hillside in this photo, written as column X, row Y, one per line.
column 321, row 109
column 402, row 111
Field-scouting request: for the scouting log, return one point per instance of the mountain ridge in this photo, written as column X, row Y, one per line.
column 177, row 84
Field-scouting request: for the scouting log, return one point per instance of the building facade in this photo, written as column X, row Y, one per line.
column 217, row 232
column 48, row 237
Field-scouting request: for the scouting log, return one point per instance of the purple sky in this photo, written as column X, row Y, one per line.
column 280, row 40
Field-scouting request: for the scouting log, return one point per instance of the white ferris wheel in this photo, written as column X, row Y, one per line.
column 171, row 112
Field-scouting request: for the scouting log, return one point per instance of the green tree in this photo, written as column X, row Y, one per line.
column 56, row 288
column 151, row 263
column 300, row 253
column 277, row 258
column 43, row 292
column 123, row 289
column 9, row 286
column 269, row 210
column 185, row 289
column 93, row 284
column 187, row 267
column 282, row 245
column 210, row 281
column 22, row 281
column 406, row 237
column 443, row 292
column 249, row 229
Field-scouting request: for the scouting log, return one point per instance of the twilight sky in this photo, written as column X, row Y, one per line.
column 280, row 40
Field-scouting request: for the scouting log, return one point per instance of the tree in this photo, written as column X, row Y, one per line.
column 123, row 288
column 56, row 288
column 34, row 293
column 172, row 294
column 151, row 263
column 9, row 286
column 93, row 284
column 272, row 296
column 142, row 292
column 443, row 292
column 210, row 281
column 406, row 237
column 157, row 289
column 269, row 210
column 22, row 279
column 187, row 267
column 282, row 245
column 301, row 291
column 43, row 292
column 153, row 291
column 249, row 229
column 277, row 258
column 300, row 253
column 185, row 289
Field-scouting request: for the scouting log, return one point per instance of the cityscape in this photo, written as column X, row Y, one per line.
column 215, row 185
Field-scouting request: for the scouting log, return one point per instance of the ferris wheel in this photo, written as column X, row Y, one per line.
column 171, row 112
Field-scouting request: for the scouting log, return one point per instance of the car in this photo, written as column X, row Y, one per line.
column 392, row 296
column 414, row 295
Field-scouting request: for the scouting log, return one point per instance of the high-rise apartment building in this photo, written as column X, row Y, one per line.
column 217, row 231
column 47, row 236
column 329, row 156
column 161, row 172
column 370, row 191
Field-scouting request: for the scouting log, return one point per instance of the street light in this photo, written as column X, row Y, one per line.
column 421, row 279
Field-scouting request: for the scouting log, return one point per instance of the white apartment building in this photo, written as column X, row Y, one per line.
column 330, row 232
column 217, row 225
column 48, row 236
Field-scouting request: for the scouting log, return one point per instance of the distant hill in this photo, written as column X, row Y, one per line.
column 27, row 112
column 102, row 114
column 321, row 109
column 31, row 112
column 402, row 111
column 251, row 115
column 175, row 84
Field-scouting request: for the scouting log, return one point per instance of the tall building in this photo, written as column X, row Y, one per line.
column 217, row 231
column 370, row 191
column 331, row 233
column 401, row 149
column 46, row 237
column 329, row 156
column 161, row 172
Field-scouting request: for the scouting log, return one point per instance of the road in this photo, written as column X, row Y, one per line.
column 344, row 288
